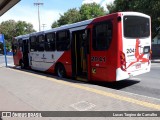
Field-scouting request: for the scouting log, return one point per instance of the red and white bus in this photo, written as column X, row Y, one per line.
column 108, row 48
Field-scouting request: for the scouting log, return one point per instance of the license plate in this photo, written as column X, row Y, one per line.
column 138, row 66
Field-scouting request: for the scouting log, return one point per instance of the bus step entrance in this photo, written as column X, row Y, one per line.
column 81, row 78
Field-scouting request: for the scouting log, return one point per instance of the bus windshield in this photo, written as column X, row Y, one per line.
column 136, row 27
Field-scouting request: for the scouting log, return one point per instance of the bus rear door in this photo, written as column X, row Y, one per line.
column 25, row 50
column 80, row 50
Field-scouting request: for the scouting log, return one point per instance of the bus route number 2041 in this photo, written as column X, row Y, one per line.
column 98, row 59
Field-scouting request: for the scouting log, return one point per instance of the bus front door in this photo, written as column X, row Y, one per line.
column 25, row 51
column 79, row 55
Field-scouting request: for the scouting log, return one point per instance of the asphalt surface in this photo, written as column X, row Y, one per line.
column 9, row 60
column 147, row 84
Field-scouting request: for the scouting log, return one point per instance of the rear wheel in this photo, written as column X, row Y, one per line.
column 60, row 70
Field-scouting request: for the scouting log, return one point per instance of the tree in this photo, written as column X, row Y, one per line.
column 12, row 28
column 7, row 28
column 55, row 24
column 149, row 7
column 86, row 11
column 91, row 10
column 24, row 28
column 71, row 16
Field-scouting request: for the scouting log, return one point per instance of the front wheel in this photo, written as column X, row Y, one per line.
column 61, row 71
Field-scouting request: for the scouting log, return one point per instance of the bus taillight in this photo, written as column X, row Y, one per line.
column 123, row 61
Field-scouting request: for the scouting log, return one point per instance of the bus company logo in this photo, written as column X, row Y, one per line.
column 6, row 114
column 94, row 70
column 21, row 114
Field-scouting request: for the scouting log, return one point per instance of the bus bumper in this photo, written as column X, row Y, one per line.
column 121, row 75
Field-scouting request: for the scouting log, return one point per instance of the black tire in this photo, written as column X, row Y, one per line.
column 60, row 70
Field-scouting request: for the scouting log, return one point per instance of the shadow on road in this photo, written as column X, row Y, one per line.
column 114, row 85
column 117, row 85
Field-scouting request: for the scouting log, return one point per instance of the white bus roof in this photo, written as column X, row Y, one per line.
column 79, row 24
column 23, row 36
column 68, row 26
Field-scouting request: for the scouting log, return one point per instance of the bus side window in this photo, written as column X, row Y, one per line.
column 41, row 43
column 20, row 41
column 102, row 36
column 63, row 40
column 50, row 42
column 33, row 46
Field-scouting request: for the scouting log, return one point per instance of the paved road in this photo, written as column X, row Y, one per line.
column 147, row 84
column 9, row 60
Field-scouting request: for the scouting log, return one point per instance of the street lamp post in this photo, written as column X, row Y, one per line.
column 38, row 4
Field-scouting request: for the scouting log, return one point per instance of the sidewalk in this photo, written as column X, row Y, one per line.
column 24, row 90
column 29, row 90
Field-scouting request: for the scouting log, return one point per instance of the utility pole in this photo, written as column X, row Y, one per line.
column 38, row 4
column 43, row 26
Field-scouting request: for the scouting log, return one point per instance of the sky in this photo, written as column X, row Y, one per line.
column 50, row 11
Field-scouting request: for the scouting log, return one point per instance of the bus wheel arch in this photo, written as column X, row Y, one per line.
column 60, row 70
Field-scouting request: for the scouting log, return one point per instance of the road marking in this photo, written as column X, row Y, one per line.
column 100, row 92
column 83, row 106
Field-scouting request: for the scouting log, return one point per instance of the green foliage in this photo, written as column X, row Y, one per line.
column 149, row 7
column 7, row 28
column 71, row 16
column 12, row 28
column 92, row 10
column 86, row 11
column 55, row 24
column 24, row 28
